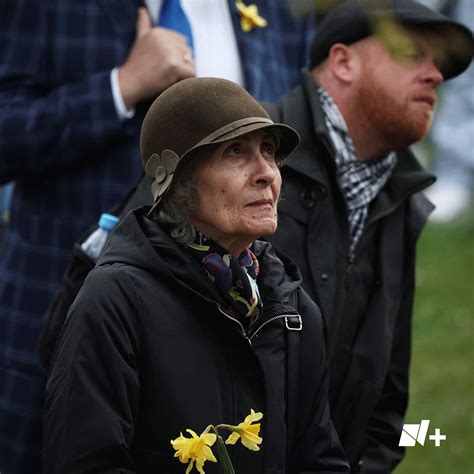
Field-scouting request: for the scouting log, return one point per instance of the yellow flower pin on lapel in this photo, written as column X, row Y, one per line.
column 249, row 17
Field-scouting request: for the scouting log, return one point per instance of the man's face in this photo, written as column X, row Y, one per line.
column 396, row 93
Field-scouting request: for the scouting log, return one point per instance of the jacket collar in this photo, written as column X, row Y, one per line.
column 300, row 108
column 143, row 243
column 408, row 176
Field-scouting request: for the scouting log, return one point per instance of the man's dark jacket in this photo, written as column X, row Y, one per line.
column 367, row 300
column 147, row 352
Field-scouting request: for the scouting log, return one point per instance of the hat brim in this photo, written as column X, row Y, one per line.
column 355, row 20
column 456, row 51
column 289, row 139
column 457, row 47
column 288, row 136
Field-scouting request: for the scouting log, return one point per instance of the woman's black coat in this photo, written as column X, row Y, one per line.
column 146, row 353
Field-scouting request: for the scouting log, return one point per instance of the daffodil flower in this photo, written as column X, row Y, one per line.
column 249, row 17
column 247, row 432
column 195, row 449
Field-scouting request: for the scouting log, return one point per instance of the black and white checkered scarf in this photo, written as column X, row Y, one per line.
column 359, row 181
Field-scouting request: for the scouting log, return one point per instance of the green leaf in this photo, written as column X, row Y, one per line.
column 225, row 464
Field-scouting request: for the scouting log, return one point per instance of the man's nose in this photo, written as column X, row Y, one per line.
column 433, row 75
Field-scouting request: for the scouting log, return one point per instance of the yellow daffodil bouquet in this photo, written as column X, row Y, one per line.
column 197, row 449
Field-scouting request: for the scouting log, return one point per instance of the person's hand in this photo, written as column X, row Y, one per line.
column 158, row 58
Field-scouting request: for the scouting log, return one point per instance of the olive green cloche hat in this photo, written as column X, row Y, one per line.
column 195, row 113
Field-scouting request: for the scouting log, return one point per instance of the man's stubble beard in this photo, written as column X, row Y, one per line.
column 389, row 118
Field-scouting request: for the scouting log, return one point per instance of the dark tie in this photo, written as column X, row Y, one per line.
column 173, row 17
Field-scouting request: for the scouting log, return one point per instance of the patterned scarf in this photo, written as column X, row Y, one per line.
column 359, row 181
column 235, row 279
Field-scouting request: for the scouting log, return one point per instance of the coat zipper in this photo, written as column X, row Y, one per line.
column 228, row 316
column 247, row 337
column 267, row 322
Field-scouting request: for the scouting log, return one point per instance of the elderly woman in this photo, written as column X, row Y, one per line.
column 188, row 319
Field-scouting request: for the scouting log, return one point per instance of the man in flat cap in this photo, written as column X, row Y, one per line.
column 352, row 208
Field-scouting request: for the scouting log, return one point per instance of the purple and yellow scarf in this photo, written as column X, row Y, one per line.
column 234, row 278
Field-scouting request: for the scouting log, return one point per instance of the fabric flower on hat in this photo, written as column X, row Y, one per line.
column 247, row 432
column 162, row 169
column 249, row 17
column 195, row 449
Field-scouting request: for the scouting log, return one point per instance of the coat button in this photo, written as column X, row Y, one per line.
column 307, row 198
column 322, row 192
column 324, row 277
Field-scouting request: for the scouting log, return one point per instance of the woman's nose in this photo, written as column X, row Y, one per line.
column 265, row 170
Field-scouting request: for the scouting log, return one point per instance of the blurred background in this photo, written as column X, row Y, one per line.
column 442, row 367
column 442, row 382
column 442, row 374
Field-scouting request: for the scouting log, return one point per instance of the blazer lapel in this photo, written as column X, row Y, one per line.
column 123, row 15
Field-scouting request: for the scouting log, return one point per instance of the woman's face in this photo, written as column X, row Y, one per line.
column 238, row 186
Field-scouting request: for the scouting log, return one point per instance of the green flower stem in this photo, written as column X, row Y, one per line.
column 208, row 428
column 222, row 455
column 228, row 427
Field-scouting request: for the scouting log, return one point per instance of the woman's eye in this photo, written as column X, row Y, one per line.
column 268, row 149
column 234, row 150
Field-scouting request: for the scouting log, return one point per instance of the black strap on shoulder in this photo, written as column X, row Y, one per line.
column 294, row 325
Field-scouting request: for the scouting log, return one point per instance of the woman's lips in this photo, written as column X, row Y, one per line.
column 263, row 203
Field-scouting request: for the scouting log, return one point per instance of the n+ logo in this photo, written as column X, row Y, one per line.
column 413, row 434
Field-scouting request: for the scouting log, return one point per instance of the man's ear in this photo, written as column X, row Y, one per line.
column 343, row 62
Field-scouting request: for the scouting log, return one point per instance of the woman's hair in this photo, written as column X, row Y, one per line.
column 182, row 198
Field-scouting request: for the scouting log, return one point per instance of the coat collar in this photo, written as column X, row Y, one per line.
column 141, row 242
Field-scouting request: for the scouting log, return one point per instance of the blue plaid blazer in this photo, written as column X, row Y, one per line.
column 72, row 158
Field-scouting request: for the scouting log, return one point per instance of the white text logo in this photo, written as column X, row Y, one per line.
column 416, row 433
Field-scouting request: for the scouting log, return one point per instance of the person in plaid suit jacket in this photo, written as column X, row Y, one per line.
column 71, row 156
